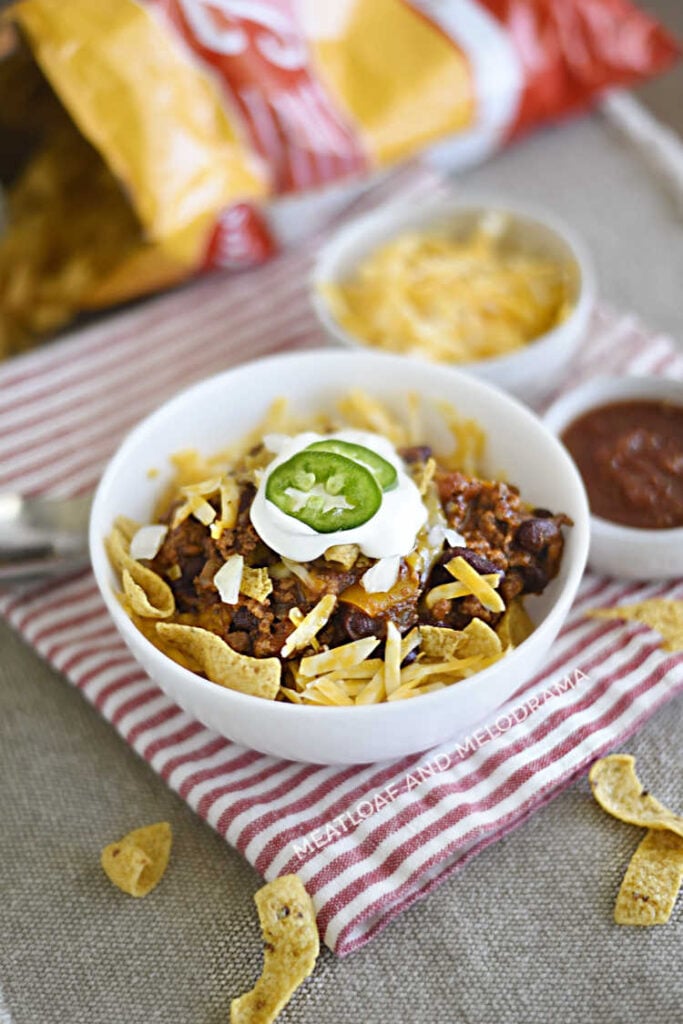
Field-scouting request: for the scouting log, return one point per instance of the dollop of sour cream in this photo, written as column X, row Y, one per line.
column 391, row 531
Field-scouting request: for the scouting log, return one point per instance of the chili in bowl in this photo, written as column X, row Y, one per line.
column 297, row 586
column 625, row 435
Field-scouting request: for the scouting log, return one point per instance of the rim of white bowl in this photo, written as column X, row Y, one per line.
column 600, row 391
column 427, row 211
column 386, row 710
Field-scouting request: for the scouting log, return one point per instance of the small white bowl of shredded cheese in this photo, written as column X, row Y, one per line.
column 501, row 290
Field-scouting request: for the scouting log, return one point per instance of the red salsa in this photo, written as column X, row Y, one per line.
column 630, row 455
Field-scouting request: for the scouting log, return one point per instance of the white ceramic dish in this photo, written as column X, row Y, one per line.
column 532, row 371
column 222, row 409
column 614, row 549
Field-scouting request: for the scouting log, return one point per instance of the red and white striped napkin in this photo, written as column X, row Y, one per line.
column 366, row 841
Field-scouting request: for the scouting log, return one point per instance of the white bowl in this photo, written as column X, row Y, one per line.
column 616, row 550
column 222, row 409
column 532, row 371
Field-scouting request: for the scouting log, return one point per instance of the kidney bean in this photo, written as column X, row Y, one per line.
column 244, row 620
column 536, row 534
column 416, row 453
column 357, row 624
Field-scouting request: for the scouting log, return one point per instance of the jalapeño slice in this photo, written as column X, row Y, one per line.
column 383, row 472
column 324, row 490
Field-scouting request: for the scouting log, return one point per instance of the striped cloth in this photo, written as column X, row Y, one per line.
column 366, row 841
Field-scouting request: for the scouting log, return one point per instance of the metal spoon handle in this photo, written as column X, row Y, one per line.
column 42, row 536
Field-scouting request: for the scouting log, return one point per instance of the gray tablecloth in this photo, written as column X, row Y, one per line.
column 523, row 934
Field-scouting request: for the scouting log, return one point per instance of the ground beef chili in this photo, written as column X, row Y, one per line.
column 502, row 535
column 630, row 455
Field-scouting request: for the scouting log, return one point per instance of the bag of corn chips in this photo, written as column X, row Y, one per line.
column 148, row 140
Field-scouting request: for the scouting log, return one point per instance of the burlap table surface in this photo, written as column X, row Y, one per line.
column 524, row 933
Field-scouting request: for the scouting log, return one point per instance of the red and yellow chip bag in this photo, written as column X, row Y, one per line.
column 186, row 117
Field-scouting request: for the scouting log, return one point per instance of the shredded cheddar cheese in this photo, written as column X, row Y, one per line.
column 451, row 300
column 480, row 586
column 309, row 625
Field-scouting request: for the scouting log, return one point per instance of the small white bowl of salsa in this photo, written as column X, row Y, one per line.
column 625, row 435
